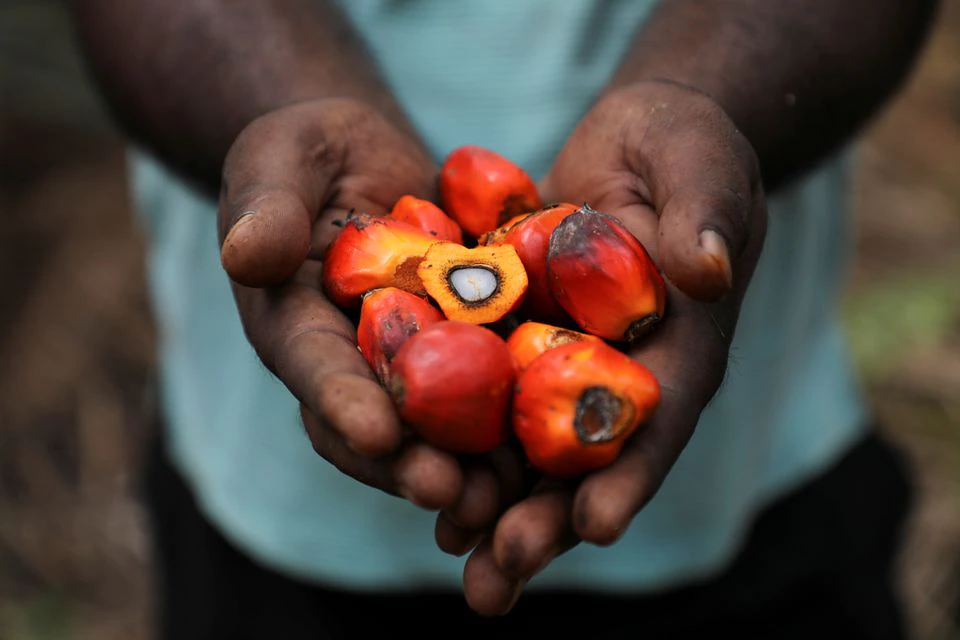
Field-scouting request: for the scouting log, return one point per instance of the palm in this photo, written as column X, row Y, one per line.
column 287, row 178
column 669, row 164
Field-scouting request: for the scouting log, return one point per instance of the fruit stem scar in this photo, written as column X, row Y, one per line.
column 641, row 327
column 601, row 415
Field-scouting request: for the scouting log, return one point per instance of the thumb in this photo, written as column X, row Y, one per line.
column 268, row 239
column 701, row 236
column 274, row 186
column 704, row 182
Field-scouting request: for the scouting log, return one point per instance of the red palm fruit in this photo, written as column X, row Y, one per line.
column 482, row 189
column 427, row 217
column 576, row 405
column 603, row 277
column 373, row 252
column 531, row 238
column 531, row 339
column 389, row 316
column 452, row 383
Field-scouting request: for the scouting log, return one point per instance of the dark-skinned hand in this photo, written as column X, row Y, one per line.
column 288, row 176
column 668, row 162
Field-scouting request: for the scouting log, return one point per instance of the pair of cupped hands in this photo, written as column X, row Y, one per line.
column 663, row 158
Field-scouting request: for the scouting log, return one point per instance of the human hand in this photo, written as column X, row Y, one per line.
column 288, row 176
column 669, row 163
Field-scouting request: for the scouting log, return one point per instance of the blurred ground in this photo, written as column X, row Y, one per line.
column 76, row 338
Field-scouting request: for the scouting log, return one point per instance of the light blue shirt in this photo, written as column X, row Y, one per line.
column 479, row 72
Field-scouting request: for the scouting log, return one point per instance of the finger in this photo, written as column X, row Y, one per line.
column 490, row 486
column 322, row 369
column 311, row 347
column 453, row 539
column 688, row 358
column 428, row 477
column 423, row 475
column 276, row 177
column 609, row 499
column 534, row 532
column 515, row 477
column 479, row 501
column 495, row 482
column 700, row 234
column 487, row 590
column 702, row 180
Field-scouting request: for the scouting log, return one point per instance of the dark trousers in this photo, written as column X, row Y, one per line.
column 817, row 565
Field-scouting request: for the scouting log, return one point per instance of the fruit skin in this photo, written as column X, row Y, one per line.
column 531, row 238
column 482, row 189
column 452, row 383
column 388, row 317
column 372, row 252
column 444, row 257
column 427, row 217
column 590, row 378
column 603, row 277
column 531, row 339
column 496, row 236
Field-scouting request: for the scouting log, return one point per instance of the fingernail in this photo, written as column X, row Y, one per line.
column 244, row 218
column 715, row 247
column 465, row 547
column 618, row 532
column 471, row 544
column 517, row 591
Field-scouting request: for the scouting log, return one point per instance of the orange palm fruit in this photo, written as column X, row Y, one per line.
column 482, row 189
column 371, row 252
column 389, row 316
column 495, row 236
column 531, row 339
column 452, row 383
column 427, row 217
column 480, row 285
column 577, row 404
column 603, row 277
column 531, row 238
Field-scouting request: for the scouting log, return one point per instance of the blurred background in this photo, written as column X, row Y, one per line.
column 76, row 339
